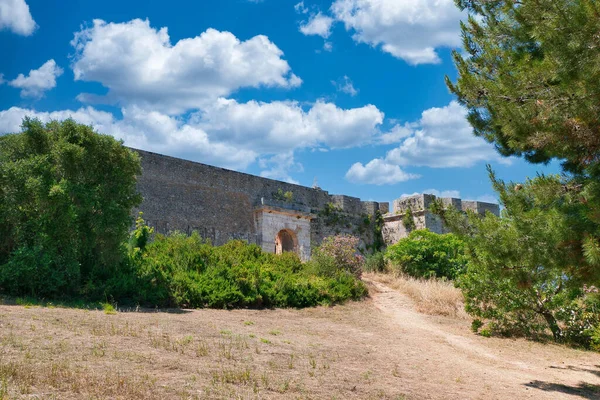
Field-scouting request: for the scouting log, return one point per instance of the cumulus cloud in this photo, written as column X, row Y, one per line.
column 378, row 172
column 397, row 133
column 228, row 134
column 15, row 16
column 443, row 138
column 279, row 167
column 139, row 65
column 345, row 85
column 145, row 130
column 455, row 194
column 38, row 81
column 411, row 30
column 318, row 24
column 282, row 126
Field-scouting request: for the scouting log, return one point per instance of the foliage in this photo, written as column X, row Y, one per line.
column 527, row 270
column 375, row 262
column 186, row 271
column 338, row 254
column 280, row 195
column 424, row 254
column 332, row 215
column 530, row 78
column 66, row 194
column 408, row 220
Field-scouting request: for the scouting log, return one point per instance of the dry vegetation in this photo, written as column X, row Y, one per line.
column 376, row 349
column 431, row 296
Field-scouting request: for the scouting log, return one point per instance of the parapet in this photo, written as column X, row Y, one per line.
column 422, row 202
column 371, row 207
column 480, row 207
column 350, row 205
column 417, row 202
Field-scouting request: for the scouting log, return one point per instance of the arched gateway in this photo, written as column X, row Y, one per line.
column 285, row 241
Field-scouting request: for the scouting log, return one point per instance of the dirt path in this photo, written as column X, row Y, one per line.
column 473, row 367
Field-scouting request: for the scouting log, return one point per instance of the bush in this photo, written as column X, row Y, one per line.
column 424, row 254
column 338, row 253
column 187, row 271
column 375, row 262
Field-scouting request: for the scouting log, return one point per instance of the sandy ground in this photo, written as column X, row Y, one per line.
column 376, row 349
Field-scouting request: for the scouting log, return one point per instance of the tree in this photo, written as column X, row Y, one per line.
column 66, row 194
column 530, row 79
column 527, row 269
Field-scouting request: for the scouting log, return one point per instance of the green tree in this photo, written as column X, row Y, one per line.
column 530, row 78
column 527, row 269
column 66, row 194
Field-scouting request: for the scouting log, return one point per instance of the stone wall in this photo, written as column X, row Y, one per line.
column 394, row 229
column 221, row 204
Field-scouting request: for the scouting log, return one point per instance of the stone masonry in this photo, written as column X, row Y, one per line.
column 221, row 205
column 394, row 229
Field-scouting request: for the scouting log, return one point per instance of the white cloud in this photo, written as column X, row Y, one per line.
column 139, row 65
column 408, row 29
column 443, row 138
column 38, row 81
column 145, row 130
column 455, row 194
column 397, row 134
column 345, row 85
column 317, row 24
column 327, row 46
column 283, row 126
column 228, row 134
column 15, row 16
column 300, row 8
column 378, row 172
column 279, row 167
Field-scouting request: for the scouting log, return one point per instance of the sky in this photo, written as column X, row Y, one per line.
column 345, row 94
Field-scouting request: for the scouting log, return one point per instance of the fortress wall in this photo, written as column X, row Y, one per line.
column 219, row 204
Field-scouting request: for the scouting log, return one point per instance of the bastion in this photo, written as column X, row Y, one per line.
column 221, row 205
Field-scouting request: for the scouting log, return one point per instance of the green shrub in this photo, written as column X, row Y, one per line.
column 187, row 271
column 375, row 262
column 424, row 254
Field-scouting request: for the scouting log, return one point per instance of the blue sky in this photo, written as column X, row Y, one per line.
column 350, row 92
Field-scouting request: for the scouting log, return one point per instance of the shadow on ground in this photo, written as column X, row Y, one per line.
column 583, row 390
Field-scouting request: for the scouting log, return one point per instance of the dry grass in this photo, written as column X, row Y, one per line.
column 380, row 348
column 431, row 296
column 50, row 353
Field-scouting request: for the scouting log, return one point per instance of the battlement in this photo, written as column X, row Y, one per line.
column 423, row 218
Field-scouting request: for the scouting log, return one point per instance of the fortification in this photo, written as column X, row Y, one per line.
column 221, row 205
column 394, row 228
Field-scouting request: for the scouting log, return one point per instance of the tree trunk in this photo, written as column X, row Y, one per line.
column 553, row 324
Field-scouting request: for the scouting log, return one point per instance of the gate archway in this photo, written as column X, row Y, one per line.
column 285, row 241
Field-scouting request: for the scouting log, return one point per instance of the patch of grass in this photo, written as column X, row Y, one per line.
column 109, row 309
column 265, row 341
column 431, row 296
